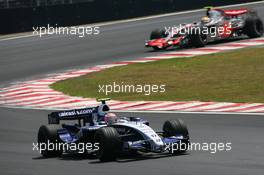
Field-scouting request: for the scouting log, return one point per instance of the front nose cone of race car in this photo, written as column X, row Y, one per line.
column 156, row 43
column 170, row 42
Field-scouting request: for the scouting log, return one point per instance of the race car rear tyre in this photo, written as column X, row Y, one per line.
column 198, row 40
column 157, row 33
column 109, row 143
column 254, row 27
column 175, row 128
column 48, row 140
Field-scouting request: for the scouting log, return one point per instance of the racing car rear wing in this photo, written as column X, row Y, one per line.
column 85, row 114
column 75, row 114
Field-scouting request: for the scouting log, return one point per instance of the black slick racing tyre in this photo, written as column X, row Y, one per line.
column 109, row 143
column 198, row 39
column 253, row 27
column 175, row 128
column 48, row 134
column 157, row 33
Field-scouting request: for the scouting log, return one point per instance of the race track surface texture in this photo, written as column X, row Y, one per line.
column 19, row 130
column 31, row 57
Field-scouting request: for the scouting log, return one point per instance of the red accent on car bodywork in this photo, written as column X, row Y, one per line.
column 235, row 12
column 163, row 42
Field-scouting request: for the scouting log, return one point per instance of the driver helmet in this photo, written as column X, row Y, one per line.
column 214, row 14
column 110, row 118
column 205, row 19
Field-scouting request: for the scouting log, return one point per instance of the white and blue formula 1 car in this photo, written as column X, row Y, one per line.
column 110, row 134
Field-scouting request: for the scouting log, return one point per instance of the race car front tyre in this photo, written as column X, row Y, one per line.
column 109, row 143
column 157, row 33
column 197, row 39
column 253, row 27
column 174, row 128
column 177, row 128
column 48, row 141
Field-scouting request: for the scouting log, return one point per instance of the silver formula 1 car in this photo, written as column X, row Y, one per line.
column 112, row 135
column 218, row 24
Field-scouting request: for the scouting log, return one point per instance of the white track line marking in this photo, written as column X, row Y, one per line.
column 191, row 52
column 37, row 101
column 208, row 107
column 254, row 110
column 236, row 108
column 139, row 61
column 54, row 103
column 83, row 104
column 179, row 106
column 164, row 57
column 151, row 105
column 14, row 101
column 126, row 105
column 225, row 47
column 252, row 43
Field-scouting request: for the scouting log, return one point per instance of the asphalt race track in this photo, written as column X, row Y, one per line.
column 30, row 57
column 19, row 128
